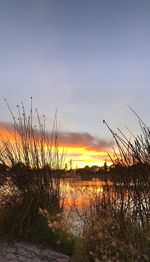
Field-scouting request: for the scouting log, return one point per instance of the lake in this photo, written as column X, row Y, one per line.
column 78, row 196
column 82, row 197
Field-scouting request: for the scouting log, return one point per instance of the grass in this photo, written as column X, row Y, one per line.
column 107, row 238
column 117, row 224
column 29, row 187
column 116, row 227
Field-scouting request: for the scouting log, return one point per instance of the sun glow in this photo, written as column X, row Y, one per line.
column 81, row 157
column 75, row 156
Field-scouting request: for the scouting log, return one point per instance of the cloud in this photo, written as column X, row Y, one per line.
column 6, row 126
column 85, row 140
column 6, row 130
column 70, row 139
column 82, row 148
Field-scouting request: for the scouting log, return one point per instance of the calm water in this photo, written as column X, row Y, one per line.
column 79, row 191
column 82, row 197
column 78, row 196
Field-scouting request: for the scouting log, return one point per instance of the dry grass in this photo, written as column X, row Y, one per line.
column 27, row 160
column 117, row 227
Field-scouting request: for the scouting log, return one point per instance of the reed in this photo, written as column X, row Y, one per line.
column 133, row 151
column 117, row 222
column 131, row 169
column 28, row 182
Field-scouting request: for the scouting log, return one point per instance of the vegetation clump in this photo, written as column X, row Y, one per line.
column 29, row 187
column 109, row 238
column 116, row 221
column 117, row 227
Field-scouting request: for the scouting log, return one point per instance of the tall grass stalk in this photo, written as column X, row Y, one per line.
column 117, row 224
column 131, row 169
column 28, row 159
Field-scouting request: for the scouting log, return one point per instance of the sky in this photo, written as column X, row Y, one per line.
column 87, row 58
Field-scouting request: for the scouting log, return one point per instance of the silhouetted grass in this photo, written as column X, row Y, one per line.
column 27, row 181
column 117, row 224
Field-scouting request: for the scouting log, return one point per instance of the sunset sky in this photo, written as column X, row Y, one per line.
column 87, row 58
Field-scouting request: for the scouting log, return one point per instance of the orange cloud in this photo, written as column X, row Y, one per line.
column 83, row 156
column 84, row 140
column 82, row 148
column 7, row 132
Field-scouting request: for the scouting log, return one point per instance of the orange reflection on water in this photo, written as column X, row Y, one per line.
column 80, row 193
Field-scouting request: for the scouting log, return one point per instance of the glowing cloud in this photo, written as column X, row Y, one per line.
column 84, row 140
column 82, row 148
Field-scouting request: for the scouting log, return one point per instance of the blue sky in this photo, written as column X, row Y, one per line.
column 86, row 58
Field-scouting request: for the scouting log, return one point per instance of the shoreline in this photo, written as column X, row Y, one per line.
column 28, row 252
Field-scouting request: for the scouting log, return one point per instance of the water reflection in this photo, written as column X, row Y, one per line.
column 74, row 190
column 81, row 198
column 78, row 198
